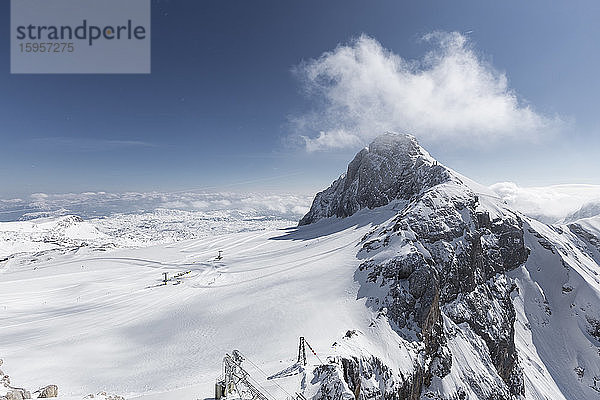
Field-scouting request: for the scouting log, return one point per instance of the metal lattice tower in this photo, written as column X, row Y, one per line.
column 302, row 351
column 236, row 379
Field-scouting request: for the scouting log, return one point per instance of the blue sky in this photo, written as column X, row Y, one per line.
column 220, row 109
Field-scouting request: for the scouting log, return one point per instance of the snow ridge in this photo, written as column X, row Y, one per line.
column 392, row 167
column 456, row 275
column 409, row 280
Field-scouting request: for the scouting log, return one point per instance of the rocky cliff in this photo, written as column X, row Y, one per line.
column 451, row 275
column 392, row 167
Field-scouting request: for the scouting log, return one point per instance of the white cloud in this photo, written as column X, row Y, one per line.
column 550, row 203
column 199, row 204
column 98, row 204
column 221, row 203
column 175, row 204
column 362, row 90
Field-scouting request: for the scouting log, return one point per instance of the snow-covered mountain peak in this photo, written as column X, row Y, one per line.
column 463, row 281
column 431, row 288
column 393, row 167
column 398, row 145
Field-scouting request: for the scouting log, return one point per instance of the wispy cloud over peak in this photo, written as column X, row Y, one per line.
column 361, row 90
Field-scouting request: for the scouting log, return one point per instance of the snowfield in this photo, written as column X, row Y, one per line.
column 407, row 279
column 99, row 320
column 70, row 232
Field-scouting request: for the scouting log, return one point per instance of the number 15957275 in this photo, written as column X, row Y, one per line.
column 47, row 47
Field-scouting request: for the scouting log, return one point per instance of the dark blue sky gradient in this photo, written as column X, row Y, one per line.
column 213, row 112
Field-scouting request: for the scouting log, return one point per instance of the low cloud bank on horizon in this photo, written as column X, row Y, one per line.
column 550, row 204
column 361, row 90
column 100, row 204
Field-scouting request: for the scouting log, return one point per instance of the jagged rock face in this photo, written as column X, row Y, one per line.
column 49, row 391
column 439, row 263
column 584, row 235
column 444, row 255
column 365, row 377
column 375, row 369
column 391, row 167
column 332, row 383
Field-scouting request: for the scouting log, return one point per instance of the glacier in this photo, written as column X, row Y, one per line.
column 409, row 280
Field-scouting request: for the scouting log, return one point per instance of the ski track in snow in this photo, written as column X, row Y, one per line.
column 90, row 322
column 83, row 305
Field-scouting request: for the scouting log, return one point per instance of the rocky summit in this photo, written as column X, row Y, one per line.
column 392, row 167
column 478, row 301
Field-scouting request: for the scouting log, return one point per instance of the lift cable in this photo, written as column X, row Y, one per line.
column 265, row 391
column 267, row 376
column 314, row 352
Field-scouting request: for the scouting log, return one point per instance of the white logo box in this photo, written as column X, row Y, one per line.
column 80, row 36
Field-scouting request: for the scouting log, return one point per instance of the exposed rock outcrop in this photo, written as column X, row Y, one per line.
column 391, row 167
column 16, row 393
column 48, row 391
column 439, row 264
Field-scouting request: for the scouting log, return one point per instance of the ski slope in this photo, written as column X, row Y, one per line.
column 513, row 316
column 160, row 226
column 91, row 320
